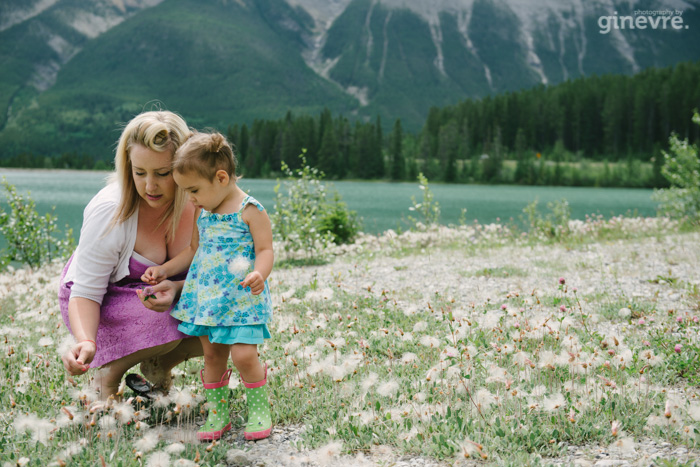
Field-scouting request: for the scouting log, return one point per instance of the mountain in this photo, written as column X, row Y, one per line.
column 72, row 70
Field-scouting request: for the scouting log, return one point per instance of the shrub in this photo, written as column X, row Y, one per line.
column 554, row 224
column 30, row 238
column 682, row 170
column 428, row 208
column 305, row 220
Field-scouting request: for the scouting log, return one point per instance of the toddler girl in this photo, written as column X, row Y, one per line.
column 225, row 300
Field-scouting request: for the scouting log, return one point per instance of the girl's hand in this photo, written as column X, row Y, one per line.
column 76, row 360
column 165, row 292
column 154, row 275
column 255, row 281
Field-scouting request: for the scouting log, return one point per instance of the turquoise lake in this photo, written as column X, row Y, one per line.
column 381, row 205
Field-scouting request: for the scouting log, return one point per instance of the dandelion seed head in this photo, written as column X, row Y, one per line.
column 623, row 446
column 239, row 266
column 175, row 448
column 124, row 412
column 329, row 452
column 554, row 402
column 388, row 389
column 158, row 459
column 408, row 357
column 429, row 341
column 147, row 443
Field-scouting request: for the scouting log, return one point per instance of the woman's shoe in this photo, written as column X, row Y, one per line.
column 140, row 386
column 217, row 401
column 259, row 423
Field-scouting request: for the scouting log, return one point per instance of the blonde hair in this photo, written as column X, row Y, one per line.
column 160, row 131
column 205, row 154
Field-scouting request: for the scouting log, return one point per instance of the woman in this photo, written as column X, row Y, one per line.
column 138, row 220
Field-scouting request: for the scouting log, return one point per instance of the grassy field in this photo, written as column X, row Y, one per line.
column 470, row 345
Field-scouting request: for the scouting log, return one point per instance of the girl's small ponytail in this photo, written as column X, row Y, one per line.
column 217, row 142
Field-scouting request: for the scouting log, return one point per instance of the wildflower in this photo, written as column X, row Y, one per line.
column 408, row 357
column 615, row 427
column 148, row 293
column 239, row 266
column 667, row 409
column 678, row 348
column 694, row 412
column 679, row 319
column 159, row 459
column 39, row 427
column 388, row 389
column 650, row 357
column 562, row 281
column 184, row 463
column 124, row 412
column 420, row 326
column 327, row 453
column 554, row 402
column 641, row 321
column 369, row 381
column 147, row 443
column 429, row 341
column 484, row 399
column 175, row 448
column 45, row 342
column 623, row 446
column 562, row 308
column 624, row 313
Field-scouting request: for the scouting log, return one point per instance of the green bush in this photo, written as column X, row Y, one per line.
column 554, row 224
column 30, row 238
column 682, row 170
column 428, row 208
column 305, row 220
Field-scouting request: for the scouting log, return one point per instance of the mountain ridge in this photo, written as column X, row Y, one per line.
column 71, row 68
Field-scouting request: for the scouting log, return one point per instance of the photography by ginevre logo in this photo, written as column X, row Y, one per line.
column 643, row 19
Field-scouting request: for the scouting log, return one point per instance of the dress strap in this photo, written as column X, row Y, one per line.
column 250, row 200
column 245, row 202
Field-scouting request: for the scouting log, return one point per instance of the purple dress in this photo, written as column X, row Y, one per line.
column 126, row 325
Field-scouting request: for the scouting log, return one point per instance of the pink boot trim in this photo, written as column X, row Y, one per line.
column 212, row 435
column 220, row 384
column 258, row 384
column 257, row 434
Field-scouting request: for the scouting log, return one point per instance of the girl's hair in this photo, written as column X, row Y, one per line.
column 206, row 154
column 159, row 131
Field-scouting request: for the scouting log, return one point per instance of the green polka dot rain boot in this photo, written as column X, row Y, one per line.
column 217, row 401
column 259, row 423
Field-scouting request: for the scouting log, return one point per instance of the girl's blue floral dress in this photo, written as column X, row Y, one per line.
column 212, row 302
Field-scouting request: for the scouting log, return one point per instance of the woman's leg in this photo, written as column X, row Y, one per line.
column 245, row 359
column 110, row 375
column 157, row 369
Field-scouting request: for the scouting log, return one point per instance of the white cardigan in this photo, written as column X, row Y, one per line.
column 103, row 254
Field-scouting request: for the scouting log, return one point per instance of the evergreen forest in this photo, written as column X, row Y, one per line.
column 608, row 130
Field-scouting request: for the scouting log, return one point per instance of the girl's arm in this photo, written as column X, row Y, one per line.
column 261, row 230
column 178, row 264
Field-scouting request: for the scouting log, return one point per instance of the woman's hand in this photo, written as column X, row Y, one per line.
column 76, row 360
column 166, row 293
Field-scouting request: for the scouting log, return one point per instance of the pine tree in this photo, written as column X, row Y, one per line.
column 398, row 169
